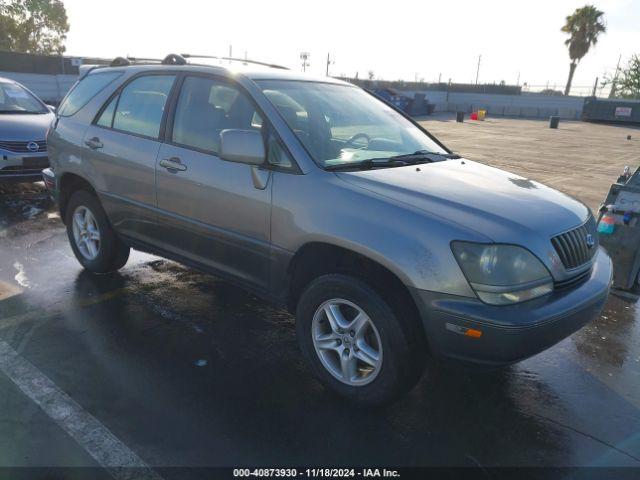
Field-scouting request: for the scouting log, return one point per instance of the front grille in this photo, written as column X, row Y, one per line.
column 30, row 171
column 573, row 281
column 27, row 164
column 572, row 247
column 22, row 147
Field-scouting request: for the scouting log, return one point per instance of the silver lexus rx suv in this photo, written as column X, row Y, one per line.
column 312, row 193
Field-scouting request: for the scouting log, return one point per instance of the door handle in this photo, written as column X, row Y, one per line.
column 94, row 143
column 173, row 164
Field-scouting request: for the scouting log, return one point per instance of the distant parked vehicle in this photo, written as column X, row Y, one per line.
column 24, row 120
column 414, row 106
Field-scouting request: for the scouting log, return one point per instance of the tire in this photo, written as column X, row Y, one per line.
column 109, row 253
column 399, row 362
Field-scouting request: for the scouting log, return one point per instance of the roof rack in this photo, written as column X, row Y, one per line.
column 234, row 59
column 176, row 59
column 171, row 59
column 119, row 62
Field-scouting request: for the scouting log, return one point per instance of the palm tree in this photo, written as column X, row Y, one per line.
column 583, row 27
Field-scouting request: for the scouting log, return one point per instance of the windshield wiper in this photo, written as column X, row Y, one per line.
column 368, row 164
column 423, row 155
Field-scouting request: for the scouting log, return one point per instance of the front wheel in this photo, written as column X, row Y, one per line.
column 92, row 239
column 354, row 341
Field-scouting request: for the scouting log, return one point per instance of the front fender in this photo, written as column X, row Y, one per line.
column 413, row 245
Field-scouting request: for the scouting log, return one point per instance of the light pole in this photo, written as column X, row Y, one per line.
column 478, row 69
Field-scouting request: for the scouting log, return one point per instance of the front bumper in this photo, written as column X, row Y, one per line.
column 511, row 333
column 22, row 167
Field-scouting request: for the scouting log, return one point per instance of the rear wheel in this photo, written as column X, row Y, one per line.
column 354, row 341
column 92, row 239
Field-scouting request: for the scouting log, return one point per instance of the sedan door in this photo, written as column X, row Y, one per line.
column 213, row 212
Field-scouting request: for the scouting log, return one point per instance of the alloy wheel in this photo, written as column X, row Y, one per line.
column 86, row 233
column 347, row 342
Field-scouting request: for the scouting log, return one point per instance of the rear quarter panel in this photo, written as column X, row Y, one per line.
column 65, row 141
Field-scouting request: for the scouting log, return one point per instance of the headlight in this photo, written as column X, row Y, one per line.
column 502, row 274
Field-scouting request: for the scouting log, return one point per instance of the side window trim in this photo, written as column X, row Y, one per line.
column 167, row 132
column 267, row 129
column 117, row 93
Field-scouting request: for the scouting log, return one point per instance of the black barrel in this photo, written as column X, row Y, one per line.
column 460, row 117
column 554, row 122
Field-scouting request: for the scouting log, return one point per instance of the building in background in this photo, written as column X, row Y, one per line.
column 48, row 76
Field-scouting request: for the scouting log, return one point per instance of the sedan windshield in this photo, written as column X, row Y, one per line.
column 341, row 125
column 16, row 99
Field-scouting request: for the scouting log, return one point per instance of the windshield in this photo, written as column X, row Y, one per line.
column 16, row 99
column 342, row 124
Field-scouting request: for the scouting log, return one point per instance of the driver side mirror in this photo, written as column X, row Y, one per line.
column 242, row 146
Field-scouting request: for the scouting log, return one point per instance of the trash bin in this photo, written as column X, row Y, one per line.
column 460, row 117
column 481, row 114
column 554, row 121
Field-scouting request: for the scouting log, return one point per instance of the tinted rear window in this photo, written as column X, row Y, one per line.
column 85, row 90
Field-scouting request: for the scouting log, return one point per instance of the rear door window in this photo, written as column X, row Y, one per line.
column 141, row 105
column 85, row 90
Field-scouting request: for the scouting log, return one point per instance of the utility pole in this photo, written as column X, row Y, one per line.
column 230, row 53
column 518, row 81
column 478, row 69
column 329, row 62
column 612, row 93
column 304, row 56
column 245, row 57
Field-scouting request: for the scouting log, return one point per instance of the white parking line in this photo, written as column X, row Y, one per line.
column 105, row 448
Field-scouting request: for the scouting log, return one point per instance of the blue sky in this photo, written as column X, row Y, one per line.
column 401, row 39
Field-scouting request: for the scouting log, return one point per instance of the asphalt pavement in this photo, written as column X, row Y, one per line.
column 162, row 366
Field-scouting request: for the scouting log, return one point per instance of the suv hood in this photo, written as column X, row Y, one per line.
column 494, row 203
column 24, row 127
